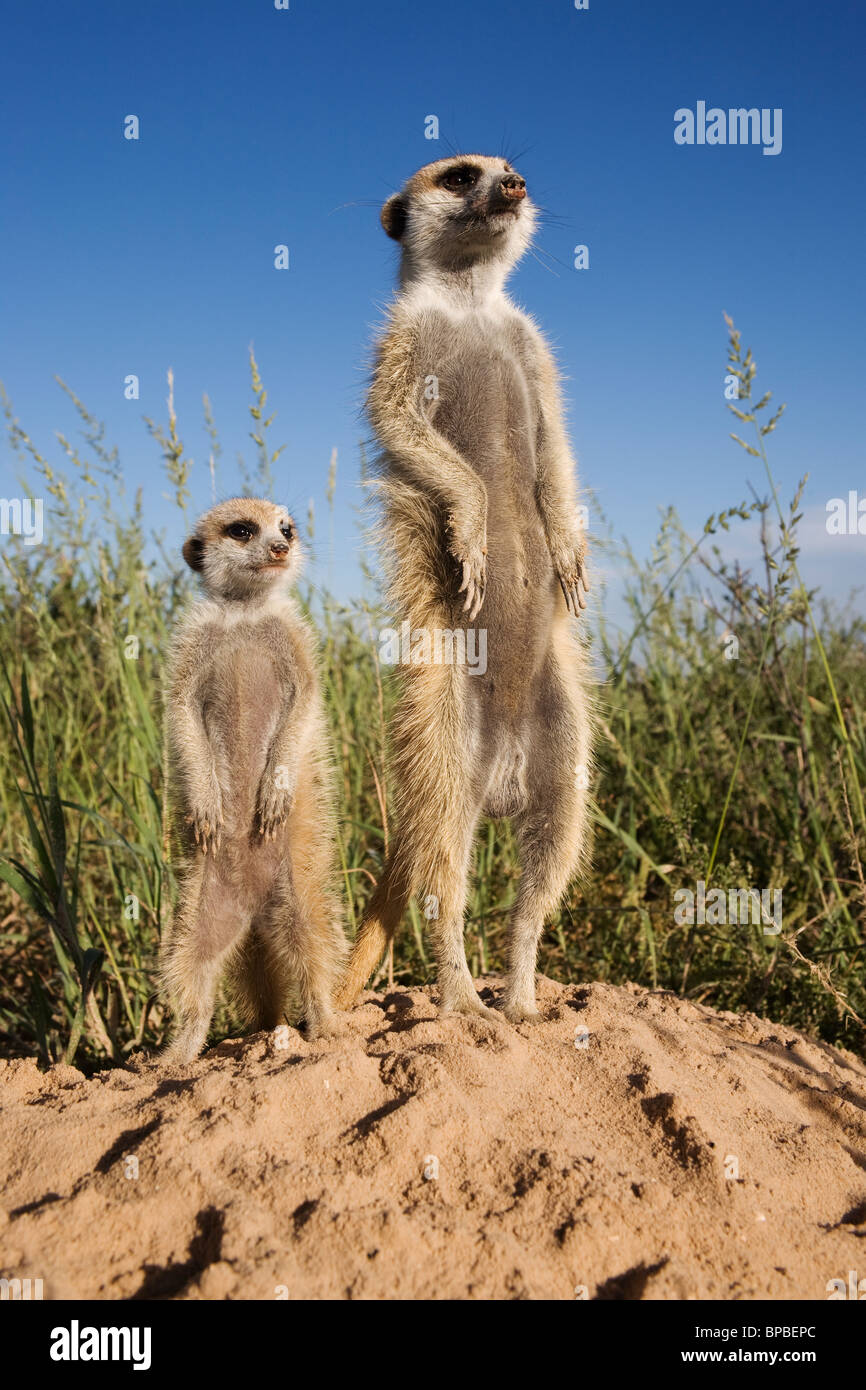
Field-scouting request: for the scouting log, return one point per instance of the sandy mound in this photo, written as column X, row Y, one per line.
column 299, row 1171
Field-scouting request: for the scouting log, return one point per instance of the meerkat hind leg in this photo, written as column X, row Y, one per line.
column 551, row 827
column 259, row 979
column 299, row 941
column 208, row 927
column 549, row 840
column 446, row 882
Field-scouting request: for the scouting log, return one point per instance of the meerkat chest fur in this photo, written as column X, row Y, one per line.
column 476, row 371
column 247, row 683
column 479, row 391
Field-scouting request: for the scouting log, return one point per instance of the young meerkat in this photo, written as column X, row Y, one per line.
column 248, row 786
column 481, row 523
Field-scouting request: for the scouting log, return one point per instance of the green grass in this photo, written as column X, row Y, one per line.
column 745, row 772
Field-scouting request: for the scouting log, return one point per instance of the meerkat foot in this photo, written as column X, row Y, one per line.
column 467, row 1002
column 184, row 1049
column 520, row 1010
column 321, row 1023
column 518, row 999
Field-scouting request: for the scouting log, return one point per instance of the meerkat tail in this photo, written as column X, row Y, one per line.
column 378, row 929
column 369, row 948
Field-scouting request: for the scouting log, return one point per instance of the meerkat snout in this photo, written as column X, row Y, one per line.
column 513, row 187
column 244, row 547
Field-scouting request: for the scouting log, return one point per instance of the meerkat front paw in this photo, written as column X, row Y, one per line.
column 206, row 820
column 275, row 803
column 569, row 562
column 276, row 795
column 469, row 548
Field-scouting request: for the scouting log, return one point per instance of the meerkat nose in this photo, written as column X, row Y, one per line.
column 513, row 186
column 279, row 548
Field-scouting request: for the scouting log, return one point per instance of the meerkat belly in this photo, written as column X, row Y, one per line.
column 491, row 419
column 489, row 415
column 241, row 711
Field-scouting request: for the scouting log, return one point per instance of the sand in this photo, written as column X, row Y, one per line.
column 632, row 1145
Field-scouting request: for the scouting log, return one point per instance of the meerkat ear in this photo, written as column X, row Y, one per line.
column 193, row 553
column 393, row 216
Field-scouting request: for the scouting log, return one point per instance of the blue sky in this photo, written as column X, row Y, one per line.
column 260, row 127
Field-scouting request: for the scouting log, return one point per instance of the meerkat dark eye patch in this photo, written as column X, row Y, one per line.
column 288, row 530
column 460, row 177
column 241, row 530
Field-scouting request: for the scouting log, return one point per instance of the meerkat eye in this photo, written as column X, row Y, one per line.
column 288, row 530
column 241, row 531
column 458, row 179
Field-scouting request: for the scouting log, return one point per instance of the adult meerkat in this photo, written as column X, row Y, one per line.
column 249, row 804
column 481, row 521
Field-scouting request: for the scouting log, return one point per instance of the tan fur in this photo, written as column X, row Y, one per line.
column 479, row 493
column 250, row 804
